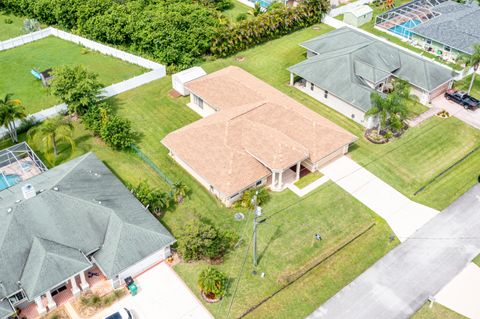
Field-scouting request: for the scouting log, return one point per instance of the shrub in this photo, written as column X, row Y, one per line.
column 213, row 283
column 96, row 117
column 156, row 200
column 262, row 197
column 77, row 87
column 241, row 17
column 31, row 25
column 117, row 133
column 198, row 240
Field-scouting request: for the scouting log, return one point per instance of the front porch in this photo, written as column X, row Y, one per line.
column 280, row 180
column 89, row 280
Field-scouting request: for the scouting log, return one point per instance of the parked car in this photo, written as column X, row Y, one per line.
column 121, row 314
column 462, row 98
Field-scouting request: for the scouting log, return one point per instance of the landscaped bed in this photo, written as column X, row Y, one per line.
column 50, row 52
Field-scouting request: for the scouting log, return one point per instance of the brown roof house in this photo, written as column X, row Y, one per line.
column 251, row 135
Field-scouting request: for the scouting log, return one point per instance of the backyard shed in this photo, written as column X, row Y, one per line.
column 358, row 16
column 179, row 79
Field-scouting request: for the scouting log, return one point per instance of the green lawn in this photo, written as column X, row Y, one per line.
column 436, row 312
column 51, row 52
column 370, row 27
column 465, row 83
column 308, row 179
column 10, row 30
column 476, row 260
column 235, row 10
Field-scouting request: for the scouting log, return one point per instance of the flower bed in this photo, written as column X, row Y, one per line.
column 443, row 114
column 89, row 304
column 385, row 136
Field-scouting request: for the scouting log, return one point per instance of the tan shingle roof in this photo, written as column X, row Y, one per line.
column 257, row 128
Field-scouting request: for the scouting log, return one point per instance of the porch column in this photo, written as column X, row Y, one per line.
column 75, row 289
column 50, row 302
column 83, row 281
column 274, row 174
column 280, row 174
column 40, row 307
column 298, row 171
column 292, row 79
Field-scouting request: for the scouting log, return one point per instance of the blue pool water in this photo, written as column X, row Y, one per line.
column 11, row 179
column 263, row 3
column 404, row 28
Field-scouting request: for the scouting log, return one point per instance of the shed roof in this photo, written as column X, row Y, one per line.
column 189, row 74
column 349, row 57
column 456, row 26
column 361, row 10
column 43, row 239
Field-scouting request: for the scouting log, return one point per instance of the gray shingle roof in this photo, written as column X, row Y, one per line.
column 346, row 57
column 5, row 309
column 457, row 26
column 41, row 238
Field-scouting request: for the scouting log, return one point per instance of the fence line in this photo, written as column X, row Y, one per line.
column 95, row 46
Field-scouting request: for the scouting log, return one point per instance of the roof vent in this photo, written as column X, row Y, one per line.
column 55, row 188
column 9, row 209
column 28, row 191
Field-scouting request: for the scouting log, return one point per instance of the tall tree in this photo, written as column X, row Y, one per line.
column 11, row 110
column 52, row 131
column 474, row 62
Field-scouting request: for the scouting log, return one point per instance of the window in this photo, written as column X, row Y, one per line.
column 312, row 86
column 17, row 298
column 198, row 101
column 428, row 41
column 447, row 48
column 325, row 94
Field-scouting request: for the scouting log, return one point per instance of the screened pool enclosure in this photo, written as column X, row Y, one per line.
column 401, row 20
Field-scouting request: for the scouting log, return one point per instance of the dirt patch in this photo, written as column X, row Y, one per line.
column 240, row 58
column 59, row 313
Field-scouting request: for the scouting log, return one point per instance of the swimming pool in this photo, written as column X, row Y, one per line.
column 8, row 180
column 263, row 3
column 404, row 28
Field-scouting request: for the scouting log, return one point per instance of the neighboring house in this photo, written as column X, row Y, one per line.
column 253, row 135
column 358, row 16
column 60, row 224
column 345, row 66
column 452, row 33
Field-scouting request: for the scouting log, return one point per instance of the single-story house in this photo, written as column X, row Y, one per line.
column 59, row 225
column 252, row 135
column 345, row 66
column 451, row 33
column 358, row 16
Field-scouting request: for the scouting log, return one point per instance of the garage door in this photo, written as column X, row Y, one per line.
column 438, row 91
column 144, row 264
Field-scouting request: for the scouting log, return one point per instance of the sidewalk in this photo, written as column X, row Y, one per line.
column 424, row 116
column 402, row 214
column 309, row 188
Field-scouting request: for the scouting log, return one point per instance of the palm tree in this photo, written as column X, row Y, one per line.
column 387, row 107
column 53, row 130
column 474, row 62
column 256, row 10
column 10, row 111
column 180, row 190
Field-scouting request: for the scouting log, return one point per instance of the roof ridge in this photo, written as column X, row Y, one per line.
column 80, row 160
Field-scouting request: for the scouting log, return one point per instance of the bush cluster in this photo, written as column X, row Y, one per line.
column 175, row 32
column 266, row 26
column 198, row 240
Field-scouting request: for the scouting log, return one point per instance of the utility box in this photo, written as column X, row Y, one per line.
column 179, row 79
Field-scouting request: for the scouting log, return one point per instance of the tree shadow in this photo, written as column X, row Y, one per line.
column 274, row 237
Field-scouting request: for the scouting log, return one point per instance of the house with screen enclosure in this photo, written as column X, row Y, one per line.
column 66, row 228
column 345, row 66
column 251, row 135
column 444, row 28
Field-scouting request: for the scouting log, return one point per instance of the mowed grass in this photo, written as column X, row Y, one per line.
column 436, row 312
column 286, row 242
column 407, row 163
column 10, row 30
column 464, row 84
column 52, row 52
column 236, row 9
column 308, row 179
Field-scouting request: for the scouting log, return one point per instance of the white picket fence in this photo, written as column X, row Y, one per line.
column 157, row 70
column 92, row 45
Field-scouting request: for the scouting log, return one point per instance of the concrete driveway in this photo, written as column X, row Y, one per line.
column 472, row 118
column 397, row 285
column 462, row 293
column 162, row 294
column 403, row 215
